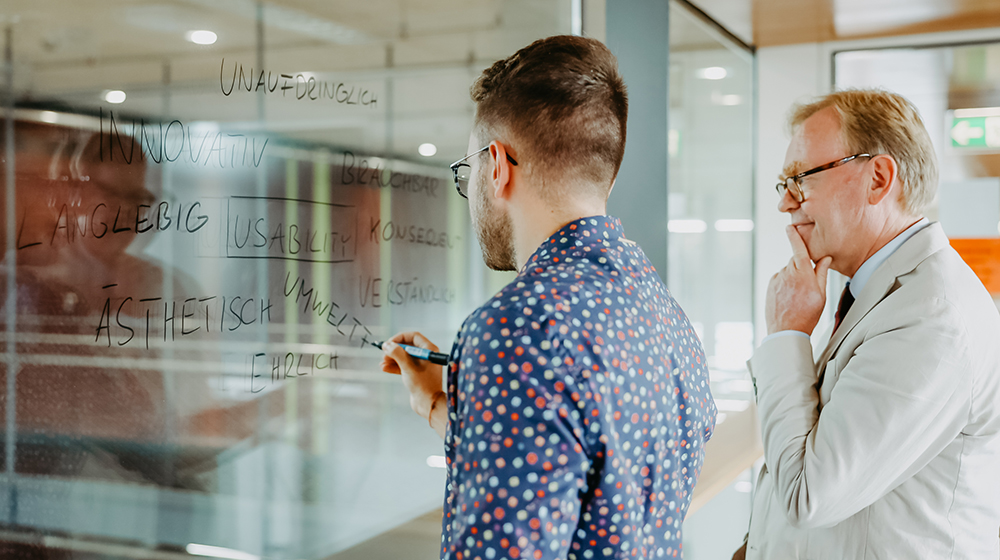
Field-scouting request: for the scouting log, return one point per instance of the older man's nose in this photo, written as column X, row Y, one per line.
column 787, row 202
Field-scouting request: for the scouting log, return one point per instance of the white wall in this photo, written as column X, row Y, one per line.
column 785, row 75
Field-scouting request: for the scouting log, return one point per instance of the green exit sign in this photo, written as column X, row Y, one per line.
column 975, row 132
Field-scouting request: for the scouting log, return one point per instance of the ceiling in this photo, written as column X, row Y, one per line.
column 765, row 23
column 416, row 57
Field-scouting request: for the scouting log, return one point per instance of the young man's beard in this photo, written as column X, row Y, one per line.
column 493, row 228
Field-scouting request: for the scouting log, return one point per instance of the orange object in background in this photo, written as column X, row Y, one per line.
column 983, row 257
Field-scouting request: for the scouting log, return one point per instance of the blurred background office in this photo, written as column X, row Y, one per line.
column 211, row 205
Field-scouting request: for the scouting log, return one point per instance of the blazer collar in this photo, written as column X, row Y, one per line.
column 914, row 251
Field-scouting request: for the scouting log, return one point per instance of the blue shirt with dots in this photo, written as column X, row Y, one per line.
column 579, row 406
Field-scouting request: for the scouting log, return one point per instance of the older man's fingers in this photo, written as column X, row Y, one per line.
column 822, row 268
column 800, row 254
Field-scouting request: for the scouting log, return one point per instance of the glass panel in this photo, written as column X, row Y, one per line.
column 957, row 91
column 210, row 208
column 710, row 268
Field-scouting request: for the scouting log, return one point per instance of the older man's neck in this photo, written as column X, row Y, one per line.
column 889, row 231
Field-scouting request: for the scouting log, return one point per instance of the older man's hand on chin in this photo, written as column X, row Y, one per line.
column 796, row 294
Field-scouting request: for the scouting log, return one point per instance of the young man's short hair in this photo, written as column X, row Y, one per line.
column 561, row 105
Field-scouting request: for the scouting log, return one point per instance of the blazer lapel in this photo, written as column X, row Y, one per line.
column 923, row 244
column 875, row 290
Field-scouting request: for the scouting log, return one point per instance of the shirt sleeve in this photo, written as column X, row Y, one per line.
column 902, row 397
column 780, row 334
column 521, row 464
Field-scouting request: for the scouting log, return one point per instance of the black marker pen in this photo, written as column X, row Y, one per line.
column 420, row 353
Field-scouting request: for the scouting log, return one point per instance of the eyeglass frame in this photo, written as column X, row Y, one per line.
column 796, row 191
column 458, row 164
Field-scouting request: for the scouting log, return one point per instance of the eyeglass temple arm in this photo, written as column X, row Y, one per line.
column 462, row 161
column 830, row 165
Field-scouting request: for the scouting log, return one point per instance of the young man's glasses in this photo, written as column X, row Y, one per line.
column 462, row 171
column 792, row 185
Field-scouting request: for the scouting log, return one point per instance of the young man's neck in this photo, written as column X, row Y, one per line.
column 537, row 220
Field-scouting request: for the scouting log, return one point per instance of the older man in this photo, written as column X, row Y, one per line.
column 886, row 444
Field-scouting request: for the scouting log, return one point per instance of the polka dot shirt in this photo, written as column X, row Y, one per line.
column 579, row 405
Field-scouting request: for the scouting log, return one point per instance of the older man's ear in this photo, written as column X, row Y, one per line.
column 883, row 175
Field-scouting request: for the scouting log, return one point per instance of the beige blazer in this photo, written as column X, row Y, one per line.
column 888, row 445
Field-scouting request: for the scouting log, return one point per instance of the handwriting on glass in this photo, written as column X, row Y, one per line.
column 176, row 142
column 126, row 318
column 300, row 86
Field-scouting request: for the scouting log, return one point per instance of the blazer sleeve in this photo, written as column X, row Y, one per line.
column 900, row 399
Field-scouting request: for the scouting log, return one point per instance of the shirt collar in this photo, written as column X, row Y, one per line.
column 857, row 283
column 578, row 233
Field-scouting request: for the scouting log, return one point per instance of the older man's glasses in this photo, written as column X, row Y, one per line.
column 463, row 171
column 792, row 185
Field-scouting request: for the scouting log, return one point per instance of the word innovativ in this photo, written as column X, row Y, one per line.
column 169, row 142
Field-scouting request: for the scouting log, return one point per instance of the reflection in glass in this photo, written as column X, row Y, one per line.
column 210, row 208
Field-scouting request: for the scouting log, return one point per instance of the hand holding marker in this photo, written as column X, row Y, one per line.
column 420, row 353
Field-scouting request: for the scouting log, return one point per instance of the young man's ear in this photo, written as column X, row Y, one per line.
column 883, row 178
column 502, row 170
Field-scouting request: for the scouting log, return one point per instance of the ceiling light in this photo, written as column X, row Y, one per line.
column 977, row 112
column 734, row 225
column 202, row 37
column 686, row 226
column 114, row 96
column 219, row 552
column 427, row 149
column 290, row 19
column 712, row 73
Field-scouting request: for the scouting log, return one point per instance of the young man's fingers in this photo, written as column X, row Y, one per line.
column 414, row 338
column 389, row 365
column 404, row 338
column 423, row 342
column 394, row 351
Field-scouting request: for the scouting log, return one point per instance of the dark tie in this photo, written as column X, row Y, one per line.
column 846, row 301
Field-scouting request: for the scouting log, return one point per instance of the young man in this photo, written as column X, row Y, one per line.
column 577, row 400
column 886, row 446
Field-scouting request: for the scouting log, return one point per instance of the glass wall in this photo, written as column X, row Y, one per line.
column 957, row 91
column 710, row 267
column 210, row 208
